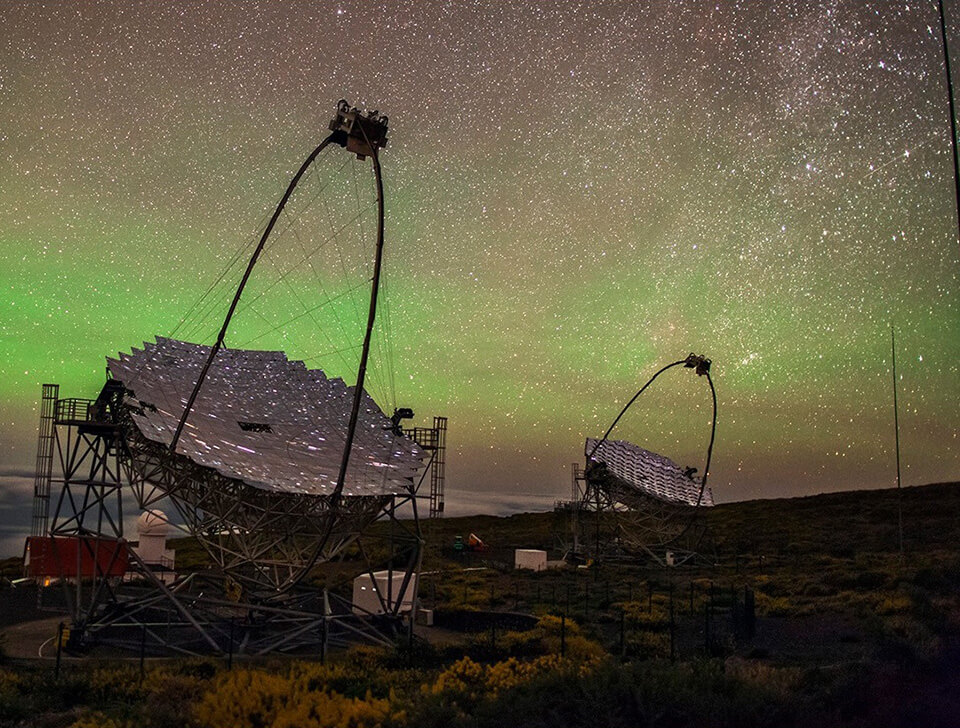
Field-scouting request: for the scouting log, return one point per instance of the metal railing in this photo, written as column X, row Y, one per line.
column 75, row 410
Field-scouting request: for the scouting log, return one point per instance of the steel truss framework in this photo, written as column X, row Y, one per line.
column 612, row 518
column 609, row 524
column 105, row 467
column 262, row 544
column 434, row 441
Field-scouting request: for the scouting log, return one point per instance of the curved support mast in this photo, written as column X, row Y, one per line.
column 702, row 366
column 630, row 404
column 363, row 135
column 371, row 318
column 243, row 282
column 713, row 437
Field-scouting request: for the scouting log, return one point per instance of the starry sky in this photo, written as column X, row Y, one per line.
column 577, row 193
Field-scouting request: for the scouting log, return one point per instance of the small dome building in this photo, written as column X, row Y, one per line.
column 152, row 528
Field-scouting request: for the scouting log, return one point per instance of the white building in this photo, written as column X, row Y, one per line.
column 530, row 559
column 371, row 595
column 152, row 528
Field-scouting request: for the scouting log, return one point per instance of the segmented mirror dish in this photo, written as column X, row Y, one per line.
column 639, row 471
column 265, row 420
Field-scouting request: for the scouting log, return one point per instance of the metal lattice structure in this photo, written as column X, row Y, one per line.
column 434, row 441
column 272, row 466
column 629, row 500
column 44, row 467
column 254, row 474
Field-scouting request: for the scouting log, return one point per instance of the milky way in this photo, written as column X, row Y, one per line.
column 577, row 194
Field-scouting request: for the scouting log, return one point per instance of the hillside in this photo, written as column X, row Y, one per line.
column 804, row 613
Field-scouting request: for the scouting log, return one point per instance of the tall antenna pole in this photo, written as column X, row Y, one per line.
column 896, row 431
column 953, row 112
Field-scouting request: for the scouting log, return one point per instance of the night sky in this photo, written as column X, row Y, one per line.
column 577, row 194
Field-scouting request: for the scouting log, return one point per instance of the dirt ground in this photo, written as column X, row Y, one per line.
column 36, row 639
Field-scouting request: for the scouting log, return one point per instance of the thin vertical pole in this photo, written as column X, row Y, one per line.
column 623, row 641
column 706, row 620
column 575, row 510
column 56, row 670
column 143, row 651
column 953, row 112
column 673, row 628
column 324, row 628
column 230, row 650
column 323, row 640
column 563, row 634
column 896, row 435
column 410, row 635
column 596, row 540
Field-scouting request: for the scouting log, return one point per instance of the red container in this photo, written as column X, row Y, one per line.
column 56, row 556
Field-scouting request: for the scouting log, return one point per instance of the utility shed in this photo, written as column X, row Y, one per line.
column 153, row 528
column 530, row 559
column 371, row 595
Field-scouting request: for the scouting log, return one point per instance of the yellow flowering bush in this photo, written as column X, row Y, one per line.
column 162, row 696
column 9, row 683
column 299, row 699
column 774, row 606
column 460, row 677
column 650, row 644
column 577, row 647
column 476, row 682
column 654, row 613
column 121, row 681
column 894, row 603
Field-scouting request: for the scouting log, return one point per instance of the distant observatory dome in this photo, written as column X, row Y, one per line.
column 153, row 523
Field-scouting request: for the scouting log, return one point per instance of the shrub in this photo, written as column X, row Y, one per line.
column 648, row 644
column 780, row 681
column 652, row 614
column 256, row 699
column 774, row 606
column 12, row 704
column 893, row 603
column 97, row 719
column 473, row 682
column 907, row 640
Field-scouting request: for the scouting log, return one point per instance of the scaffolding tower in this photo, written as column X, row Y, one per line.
column 433, row 440
column 44, row 467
